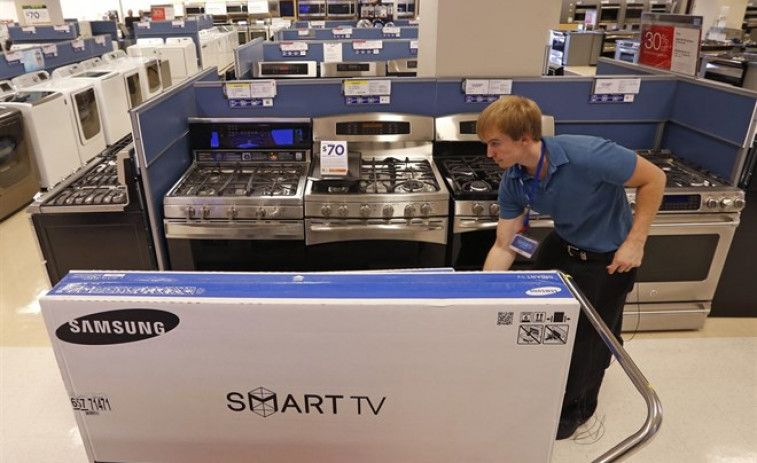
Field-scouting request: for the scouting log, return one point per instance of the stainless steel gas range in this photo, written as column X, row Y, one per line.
column 685, row 252
column 390, row 210
column 240, row 204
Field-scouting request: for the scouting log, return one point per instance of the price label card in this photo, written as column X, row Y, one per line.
column 238, row 91
column 303, row 32
column 36, row 14
column 294, row 46
column 391, row 31
column 29, row 29
column 367, row 87
column 178, row 24
column 100, row 39
column 616, row 86
column 476, row 87
column 13, row 57
column 500, row 86
column 63, row 28
column 317, row 24
column 413, row 22
column 50, row 50
column 334, row 158
column 78, row 45
column 332, row 52
column 367, row 44
column 263, row 89
column 142, row 25
column 341, row 31
column 414, row 45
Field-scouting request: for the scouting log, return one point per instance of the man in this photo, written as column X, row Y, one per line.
column 580, row 182
column 129, row 21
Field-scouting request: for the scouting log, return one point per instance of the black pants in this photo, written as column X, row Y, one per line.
column 607, row 293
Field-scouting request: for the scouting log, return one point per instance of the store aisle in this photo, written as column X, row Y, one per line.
column 707, row 381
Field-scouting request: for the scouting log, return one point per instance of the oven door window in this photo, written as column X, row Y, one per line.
column 311, row 9
column 236, row 255
column 669, row 258
column 88, row 115
column 375, row 255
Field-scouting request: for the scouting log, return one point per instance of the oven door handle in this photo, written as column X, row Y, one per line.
column 222, row 230
column 434, row 231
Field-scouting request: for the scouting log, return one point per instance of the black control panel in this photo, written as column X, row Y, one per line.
column 241, row 156
column 685, row 202
column 373, row 128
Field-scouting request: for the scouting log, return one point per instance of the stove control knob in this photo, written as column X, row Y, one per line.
column 494, row 209
column 388, row 211
column 343, row 210
column 232, row 212
column 205, row 212
column 326, row 210
column 365, row 210
column 711, row 203
column 409, row 211
column 726, row 203
column 190, row 211
column 274, row 213
column 478, row 209
column 260, row 213
column 426, row 209
column 738, row 203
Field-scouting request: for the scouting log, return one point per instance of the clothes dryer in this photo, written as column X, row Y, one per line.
column 84, row 113
column 110, row 90
column 181, row 54
column 149, row 70
column 53, row 144
column 19, row 179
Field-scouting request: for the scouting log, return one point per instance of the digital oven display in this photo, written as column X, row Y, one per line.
column 468, row 128
column 246, row 136
column 373, row 128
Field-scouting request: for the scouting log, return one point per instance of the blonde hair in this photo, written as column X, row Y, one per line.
column 512, row 115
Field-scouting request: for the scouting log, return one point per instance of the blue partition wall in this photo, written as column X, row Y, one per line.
column 160, row 138
column 362, row 33
column 245, row 55
column 320, row 97
column 65, row 54
column 392, row 49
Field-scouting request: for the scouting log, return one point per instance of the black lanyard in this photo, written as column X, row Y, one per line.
column 530, row 196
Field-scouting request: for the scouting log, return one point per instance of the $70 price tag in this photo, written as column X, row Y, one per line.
column 334, row 158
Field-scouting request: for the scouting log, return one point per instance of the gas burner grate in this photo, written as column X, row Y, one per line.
column 252, row 181
column 471, row 175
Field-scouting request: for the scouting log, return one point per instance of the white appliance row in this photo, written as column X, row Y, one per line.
column 94, row 96
column 178, row 52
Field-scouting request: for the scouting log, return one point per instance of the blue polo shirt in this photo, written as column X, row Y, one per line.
column 583, row 191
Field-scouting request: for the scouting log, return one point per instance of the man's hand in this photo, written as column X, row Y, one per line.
column 627, row 257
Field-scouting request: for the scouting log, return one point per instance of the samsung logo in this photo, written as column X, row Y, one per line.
column 117, row 326
column 544, row 291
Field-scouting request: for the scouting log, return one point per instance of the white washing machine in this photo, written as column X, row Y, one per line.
column 19, row 179
column 181, row 54
column 67, row 71
column 110, row 89
column 53, row 143
column 149, row 70
column 84, row 114
column 30, row 79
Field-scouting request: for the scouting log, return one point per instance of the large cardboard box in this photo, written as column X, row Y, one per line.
column 303, row 368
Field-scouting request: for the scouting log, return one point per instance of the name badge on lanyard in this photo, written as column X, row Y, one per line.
column 521, row 242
